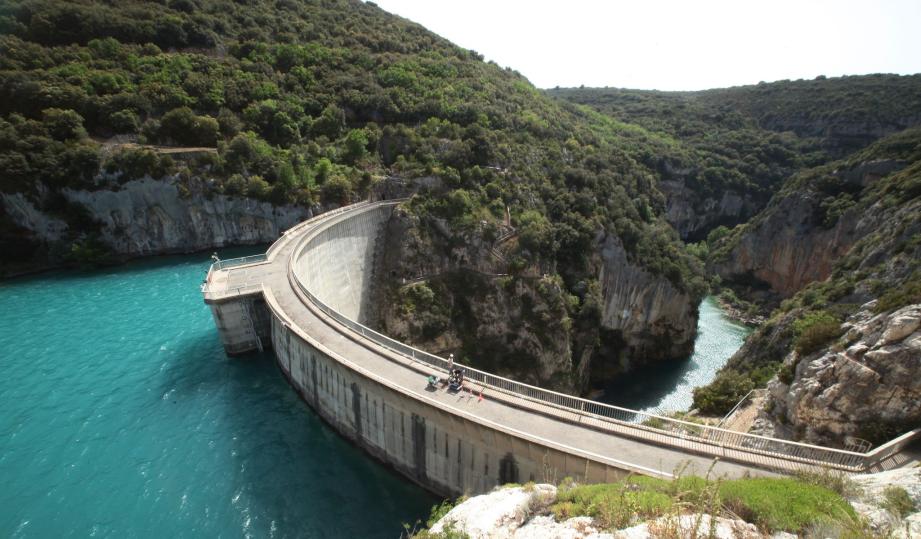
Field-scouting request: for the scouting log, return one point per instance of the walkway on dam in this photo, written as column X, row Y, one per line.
column 515, row 414
column 643, row 457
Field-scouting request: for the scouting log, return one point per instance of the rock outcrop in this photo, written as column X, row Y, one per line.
column 865, row 386
column 790, row 244
column 693, row 215
column 656, row 320
column 870, row 502
column 786, row 249
column 146, row 217
column 521, row 513
column 450, row 290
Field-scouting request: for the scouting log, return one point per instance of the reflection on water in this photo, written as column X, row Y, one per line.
column 668, row 387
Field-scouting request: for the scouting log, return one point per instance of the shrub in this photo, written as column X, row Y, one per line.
column 63, row 124
column 720, row 396
column 907, row 294
column 182, row 126
column 124, row 121
column 337, row 190
column 815, row 330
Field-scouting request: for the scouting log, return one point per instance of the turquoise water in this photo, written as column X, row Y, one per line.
column 122, row 417
column 668, row 387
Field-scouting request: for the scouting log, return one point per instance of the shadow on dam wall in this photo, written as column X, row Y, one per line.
column 337, row 264
column 432, row 445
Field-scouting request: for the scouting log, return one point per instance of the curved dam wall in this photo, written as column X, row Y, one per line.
column 447, row 451
column 337, row 264
column 444, row 452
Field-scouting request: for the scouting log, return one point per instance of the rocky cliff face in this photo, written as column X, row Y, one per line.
column 866, row 385
column 693, row 218
column 448, row 291
column 147, row 216
column 791, row 244
column 654, row 320
column 787, row 249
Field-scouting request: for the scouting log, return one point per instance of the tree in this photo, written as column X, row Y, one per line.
column 63, row 124
column 356, row 145
column 330, row 123
column 182, row 126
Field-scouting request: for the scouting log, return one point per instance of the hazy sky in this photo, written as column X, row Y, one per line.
column 678, row 44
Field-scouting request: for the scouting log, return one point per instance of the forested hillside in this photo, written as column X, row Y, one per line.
column 313, row 104
column 741, row 143
column 543, row 237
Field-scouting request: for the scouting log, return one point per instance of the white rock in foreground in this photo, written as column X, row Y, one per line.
column 869, row 503
column 696, row 525
column 497, row 514
column 509, row 513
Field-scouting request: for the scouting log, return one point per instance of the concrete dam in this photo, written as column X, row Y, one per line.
column 308, row 299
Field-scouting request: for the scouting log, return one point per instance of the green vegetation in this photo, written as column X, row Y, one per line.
column 311, row 103
column 884, row 264
column 723, row 393
column 435, row 515
column 814, row 330
column 748, row 140
column 907, row 293
column 772, row 504
column 897, row 501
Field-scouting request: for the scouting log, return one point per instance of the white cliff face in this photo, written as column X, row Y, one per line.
column 872, row 378
column 27, row 216
column 152, row 216
column 657, row 320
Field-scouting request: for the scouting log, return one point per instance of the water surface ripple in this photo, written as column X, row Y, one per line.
column 668, row 386
column 122, row 417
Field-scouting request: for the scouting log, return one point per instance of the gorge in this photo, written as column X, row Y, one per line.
column 574, row 240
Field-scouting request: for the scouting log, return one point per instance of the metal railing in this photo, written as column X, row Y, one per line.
column 241, row 261
column 753, row 448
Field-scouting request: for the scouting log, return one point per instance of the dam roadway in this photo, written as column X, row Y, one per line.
column 307, row 297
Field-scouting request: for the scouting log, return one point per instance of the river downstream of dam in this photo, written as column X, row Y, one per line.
column 123, row 417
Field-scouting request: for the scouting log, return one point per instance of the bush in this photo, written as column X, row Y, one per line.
column 63, row 124
column 907, row 294
column 337, row 190
column 124, row 121
column 815, row 330
column 725, row 392
column 182, row 126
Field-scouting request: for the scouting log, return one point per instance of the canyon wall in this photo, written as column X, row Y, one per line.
column 147, row 217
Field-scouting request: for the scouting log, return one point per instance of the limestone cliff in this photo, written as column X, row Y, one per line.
column 844, row 244
column 866, row 385
column 693, row 218
column 792, row 242
column 450, row 289
column 654, row 320
column 146, row 217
